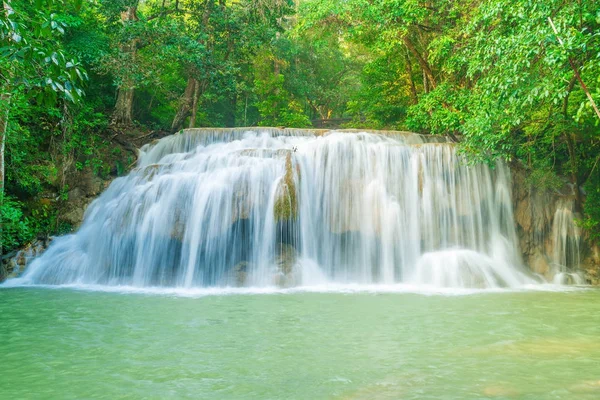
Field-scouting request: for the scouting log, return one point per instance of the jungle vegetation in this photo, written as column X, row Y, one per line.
column 509, row 79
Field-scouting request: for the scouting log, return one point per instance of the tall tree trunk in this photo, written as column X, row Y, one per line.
column 189, row 101
column 5, row 101
column 185, row 105
column 123, row 113
column 414, row 99
column 195, row 104
column 422, row 62
column 230, row 112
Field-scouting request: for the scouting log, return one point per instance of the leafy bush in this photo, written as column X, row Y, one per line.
column 16, row 230
column 592, row 206
column 544, row 179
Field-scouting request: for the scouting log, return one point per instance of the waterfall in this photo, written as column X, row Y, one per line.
column 265, row 206
column 566, row 237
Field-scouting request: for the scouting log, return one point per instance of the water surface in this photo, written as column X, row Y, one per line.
column 76, row 344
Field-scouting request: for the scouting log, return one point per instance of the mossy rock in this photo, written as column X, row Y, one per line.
column 286, row 204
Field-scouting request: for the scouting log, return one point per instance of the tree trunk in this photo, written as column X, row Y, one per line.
column 189, row 101
column 230, row 112
column 5, row 101
column 414, row 99
column 195, row 104
column 576, row 71
column 185, row 105
column 422, row 62
column 123, row 113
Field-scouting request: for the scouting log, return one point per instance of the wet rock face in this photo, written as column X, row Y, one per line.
column 80, row 197
column 539, row 262
column 533, row 211
column 591, row 265
column 13, row 265
column 549, row 237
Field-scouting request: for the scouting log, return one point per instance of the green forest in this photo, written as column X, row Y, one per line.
column 83, row 82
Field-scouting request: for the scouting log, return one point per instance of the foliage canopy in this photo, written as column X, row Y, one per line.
column 492, row 74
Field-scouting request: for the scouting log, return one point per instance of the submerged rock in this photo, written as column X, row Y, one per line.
column 499, row 391
column 240, row 273
column 287, row 274
column 586, row 386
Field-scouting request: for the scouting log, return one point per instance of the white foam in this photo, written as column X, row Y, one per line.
column 426, row 290
column 200, row 212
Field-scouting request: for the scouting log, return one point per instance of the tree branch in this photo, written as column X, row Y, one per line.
column 585, row 89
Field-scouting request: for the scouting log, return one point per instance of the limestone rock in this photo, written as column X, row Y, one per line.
column 591, row 265
column 74, row 216
column 539, row 263
column 76, row 195
column 16, row 264
column 286, row 204
column 534, row 212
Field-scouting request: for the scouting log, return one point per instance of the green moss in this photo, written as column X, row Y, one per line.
column 286, row 204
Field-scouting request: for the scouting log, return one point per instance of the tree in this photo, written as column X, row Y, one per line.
column 124, row 105
column 33, row 63
column 223, row 38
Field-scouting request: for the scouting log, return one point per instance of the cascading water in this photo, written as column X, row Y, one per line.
column 566, row 237
column 261, row 207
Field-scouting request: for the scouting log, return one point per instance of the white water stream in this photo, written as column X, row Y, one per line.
column 291, row 207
